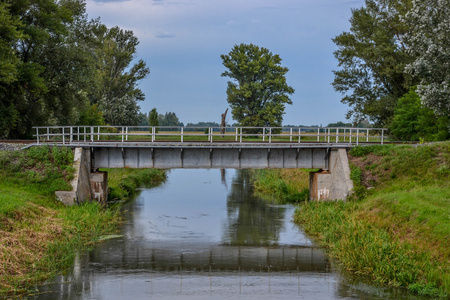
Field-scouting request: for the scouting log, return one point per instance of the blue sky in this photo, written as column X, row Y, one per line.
column 182, row 40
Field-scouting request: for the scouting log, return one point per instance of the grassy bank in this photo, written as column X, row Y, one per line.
column 123, row 182
column 396, row 230
column 283, row 185
column 39, row 237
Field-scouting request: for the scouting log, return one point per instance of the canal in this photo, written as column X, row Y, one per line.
column 204, row 235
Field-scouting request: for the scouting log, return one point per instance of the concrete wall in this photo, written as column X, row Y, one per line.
column 335, row 183
column 86, row 185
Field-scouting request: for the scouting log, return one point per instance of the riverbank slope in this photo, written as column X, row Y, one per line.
column 39, row 237
column 395, row 230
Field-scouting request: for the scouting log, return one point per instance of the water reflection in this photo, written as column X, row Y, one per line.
column 192, row 238
column 250, row 221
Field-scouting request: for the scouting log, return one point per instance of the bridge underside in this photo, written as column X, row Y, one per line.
column 210, row 157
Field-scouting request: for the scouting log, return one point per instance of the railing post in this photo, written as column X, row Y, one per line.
column 318, row 134
column 264, row 134
column 357, row 137
column 182, row 134
column 153, row 133
column 350, row 136
column 368, row 134
column 236, row 134
column 240, row 140
column 212, row 131
column 98, row 133
column 92, row 134
column 290, row 134
column 337, row 135
column 71, row 134
column 123, row 129
column 63, row 136
column 328, row 135
column 78, row 133
column 299, row 134
column 126, row 133
column 48, row 133
column 382, row 136
column 37, row 134
column 270, row 135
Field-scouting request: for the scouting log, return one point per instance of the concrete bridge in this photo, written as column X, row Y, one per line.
column 323, row 149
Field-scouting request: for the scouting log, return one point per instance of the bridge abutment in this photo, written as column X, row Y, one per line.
column 87, row 185
column 334, row 183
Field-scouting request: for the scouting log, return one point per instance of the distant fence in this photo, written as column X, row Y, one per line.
column 93, row 134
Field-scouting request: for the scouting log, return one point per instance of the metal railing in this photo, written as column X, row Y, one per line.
column 92, row 134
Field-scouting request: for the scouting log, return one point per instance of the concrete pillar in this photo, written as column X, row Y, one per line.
column 86, row 185
column 99, row 186
column 334, row 183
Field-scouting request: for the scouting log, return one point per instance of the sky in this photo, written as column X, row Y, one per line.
column 181, row 42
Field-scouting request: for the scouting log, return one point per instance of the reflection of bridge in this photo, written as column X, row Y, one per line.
column 234, row 147
column 217, row 258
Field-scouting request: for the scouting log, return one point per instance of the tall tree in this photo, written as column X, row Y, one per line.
column 9, row 69
column 47, row 90
column 169, row 119
column 412, row 121
column 372, row 58
column 117, row 92
column 430, row 46
column 153, row 118
column 259, row 93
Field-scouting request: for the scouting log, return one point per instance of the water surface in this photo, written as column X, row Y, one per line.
column 204, row 235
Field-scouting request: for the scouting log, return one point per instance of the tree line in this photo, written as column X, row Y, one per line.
column 57, row 67
column 394, row 72
column 394, row 67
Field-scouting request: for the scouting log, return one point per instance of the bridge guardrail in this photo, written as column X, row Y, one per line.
column 92, row 134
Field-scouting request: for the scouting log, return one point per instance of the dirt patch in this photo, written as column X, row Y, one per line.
column 372, row 172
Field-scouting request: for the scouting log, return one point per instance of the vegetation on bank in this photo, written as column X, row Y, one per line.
column 124, row 182
column 395, row 230
column 39, row 236
column 283, row 185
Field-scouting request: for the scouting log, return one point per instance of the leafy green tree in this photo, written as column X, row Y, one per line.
column 143, row 119
column 153, row 118
column 339, row 124
column 259, row 93
column 169, row 119
column 9, row 65
column 117, row 92
column 412, row 121
column 430, row 45
column 9, row 36
column 48, row 89
column 372, row 57
column 91, row 116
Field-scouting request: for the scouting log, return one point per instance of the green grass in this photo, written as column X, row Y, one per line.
column 123, row 182
column 283, row 186
column 399, row 233
column 39, row 237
